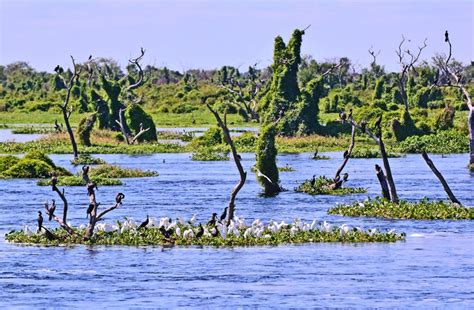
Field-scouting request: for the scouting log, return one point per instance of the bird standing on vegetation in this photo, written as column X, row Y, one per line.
column 200, row 231
column 144, row 223
column 166, row 233
column 40, row 221
column 446, row 36
column 213, row 220
column 313, row 180
column 224, row 214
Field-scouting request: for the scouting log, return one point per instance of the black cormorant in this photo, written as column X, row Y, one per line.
column 213, row 220
column 144, row 223
column 40, row 221
column 224, row 214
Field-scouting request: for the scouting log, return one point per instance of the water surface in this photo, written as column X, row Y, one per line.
column 434, row 267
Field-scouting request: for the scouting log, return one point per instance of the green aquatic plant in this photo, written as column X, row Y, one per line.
column 237, row 233
column 79, row 181
column 322, row 186
column 87, row 159
column 444, row 142
column 371, row 153
column 208, row 154
column 116, row 172
column 424, row 209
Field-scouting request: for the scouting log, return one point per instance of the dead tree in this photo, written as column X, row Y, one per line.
column 94, row 216
column 129, row 138
column 65, row 108
column 237, row 159
column 347, row 154
column 407, row 61
column 378, row 139
column 441, row 179
column 383, row 182
column 245, row 95
column 454, row 78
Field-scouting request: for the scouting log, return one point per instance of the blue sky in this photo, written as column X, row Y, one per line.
column 208, row 34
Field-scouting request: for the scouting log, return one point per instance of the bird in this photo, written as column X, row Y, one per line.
column 200, row 231
column 85, row 170
column 224, row 214
column 58, row 69
column 119, row 197
column 350, row 114
column 40, row 221
column 342, row 116
column 51, row 210
column 446, row 36
column 363, row 125
column 90, row 57
column 313, row 180
column 89, row 209
column 239, row 157
column 378, row 122
column 54, row 180
column 166, row 233
column 345, row 177
column 346, row 152
column 144, row 223
column 260, row 174
column 213, row 220
column 192, row 219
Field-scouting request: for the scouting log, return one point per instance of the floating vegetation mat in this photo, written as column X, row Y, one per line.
column 322, row 186
column 177, row 232
column 420, row 210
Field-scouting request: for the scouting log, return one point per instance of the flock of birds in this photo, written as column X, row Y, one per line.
column 215, row 227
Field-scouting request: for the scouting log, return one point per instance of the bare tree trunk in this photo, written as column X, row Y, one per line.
column 383, row 182
column 66, row 116
column 440, row 177
column 63, row 198
column 388, row 171
column 236, row 156
column 347, row 154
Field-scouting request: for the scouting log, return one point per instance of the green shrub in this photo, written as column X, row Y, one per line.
column 444, row 142
column 7, row 162
column 85, row 128
column 211, row 137
column 136, row 116
column 445, row 119
column 29, row 168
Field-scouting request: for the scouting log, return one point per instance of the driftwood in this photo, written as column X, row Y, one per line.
column 441, row 179
column 237, row 159
column 378, row 139
column 383, row 182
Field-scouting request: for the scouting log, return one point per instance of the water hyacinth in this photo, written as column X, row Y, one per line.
column 421, row 210
column 165, row 231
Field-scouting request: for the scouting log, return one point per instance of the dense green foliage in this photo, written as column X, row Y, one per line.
column 266, row 160
column 33, row 165
column 321, row 184
column 85, row 128
column 137, row 118
column 423, row 209
column 444, row 142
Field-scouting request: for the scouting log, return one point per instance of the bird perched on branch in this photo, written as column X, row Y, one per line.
column 85, row 170
column 54, row 180
column 89, row 209
column 90, row 188
column 51, row 210
column 446, row 36
column 144, row 223
column 213, row 220
column 363, row 126
column 346, row 152
column 58, row 69
column 119, row 198
column 342, row 116
column 40, row 221
column 345, row 177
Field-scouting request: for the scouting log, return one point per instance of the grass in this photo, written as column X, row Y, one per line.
column 126, row 233
column 321, row 184
column 421, row 210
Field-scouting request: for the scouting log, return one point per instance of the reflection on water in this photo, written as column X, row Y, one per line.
column 434, row 267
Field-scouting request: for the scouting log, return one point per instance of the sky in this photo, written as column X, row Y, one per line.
column 208, row 34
